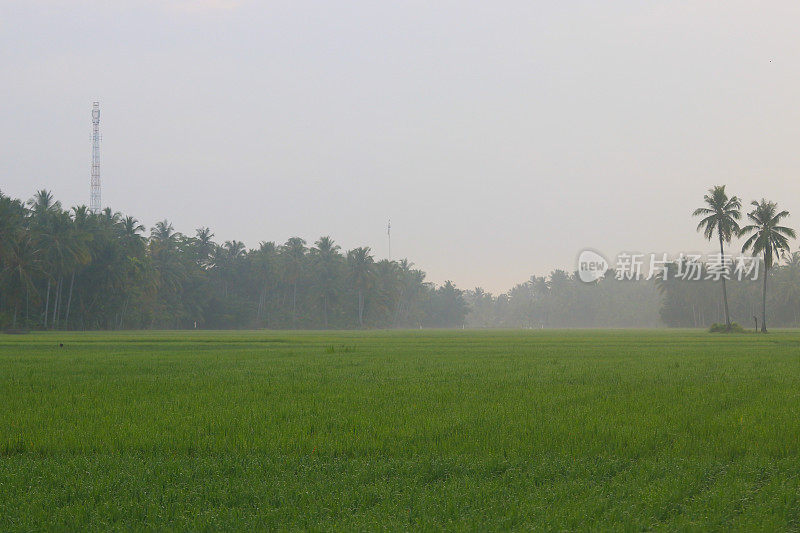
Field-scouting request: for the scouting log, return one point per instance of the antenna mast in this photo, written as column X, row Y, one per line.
column 389, row 233
column 94, row 193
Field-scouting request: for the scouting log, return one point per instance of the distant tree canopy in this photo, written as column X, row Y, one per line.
column 73, row 269
column 698, row 303
column 561, row 300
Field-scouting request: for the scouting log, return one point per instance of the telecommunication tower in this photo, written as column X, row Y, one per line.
column 94, row 193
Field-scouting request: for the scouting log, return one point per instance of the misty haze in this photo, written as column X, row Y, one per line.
column 399, row 265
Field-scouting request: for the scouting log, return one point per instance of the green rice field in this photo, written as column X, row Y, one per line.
column 476, row 430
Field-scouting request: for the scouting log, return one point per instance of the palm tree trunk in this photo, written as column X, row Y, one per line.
column 360, row 309
column 325, row 309
column 122, row 314
column 69, row 298
column 55, row 306
column 47, row 303
column 764, row 302
column 724, row 289
column 294, row 303
column 264, row 313
column 56, row 302
column 398, row 308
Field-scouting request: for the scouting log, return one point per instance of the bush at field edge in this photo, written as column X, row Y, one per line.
column 722, row 328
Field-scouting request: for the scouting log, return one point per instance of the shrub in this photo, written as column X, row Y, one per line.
column 722, row 328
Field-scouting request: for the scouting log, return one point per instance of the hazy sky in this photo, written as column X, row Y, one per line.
column 500, row 137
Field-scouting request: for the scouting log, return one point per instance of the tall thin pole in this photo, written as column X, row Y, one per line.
column 94, row 190
column 389, row 234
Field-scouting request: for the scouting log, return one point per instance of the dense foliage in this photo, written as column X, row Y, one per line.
column 561, row 300
column 74, row 269
column 71, row 269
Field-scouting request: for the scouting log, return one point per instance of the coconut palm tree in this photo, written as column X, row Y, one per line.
column 43, row 203
column 129, row 230
column 205, row 245
column 170, row 272
column 386, row 290
column 67, row 250
column 81, row 215
column 767, row 237
column 326, row 258
column 264, row 264
column 43, row 206
column 235, row 249
column 164, row 233
column 226, row 259
column 20, row 260
column 787, row 283
column 21, row 269
column 82, row 223
column 720, row 216
column 294, row 255
column 12, row 225
column 360, row 262
column 110, row 217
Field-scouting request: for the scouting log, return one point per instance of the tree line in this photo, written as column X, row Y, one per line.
column 77, row 270
column 562, row 300
column 73, row 269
